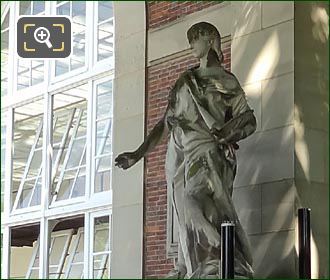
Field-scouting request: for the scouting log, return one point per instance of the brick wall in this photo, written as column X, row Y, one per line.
column 161, row 12
column 161, row 77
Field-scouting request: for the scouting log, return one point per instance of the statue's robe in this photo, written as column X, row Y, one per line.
column 200, row 172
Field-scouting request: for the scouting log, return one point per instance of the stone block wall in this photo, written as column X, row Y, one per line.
column 264, row 194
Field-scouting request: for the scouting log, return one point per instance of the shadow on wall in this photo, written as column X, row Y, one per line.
column 297, row 125
column 312, row 123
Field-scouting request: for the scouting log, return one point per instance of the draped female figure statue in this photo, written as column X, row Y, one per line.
column 207, row 114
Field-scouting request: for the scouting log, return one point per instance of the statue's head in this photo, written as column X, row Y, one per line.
column 206, row 37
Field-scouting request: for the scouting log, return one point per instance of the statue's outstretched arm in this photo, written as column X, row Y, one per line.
column 128, row 159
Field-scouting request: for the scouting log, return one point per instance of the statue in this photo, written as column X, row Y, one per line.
column 207, row 114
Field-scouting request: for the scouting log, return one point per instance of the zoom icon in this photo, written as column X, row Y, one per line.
column 44, row 37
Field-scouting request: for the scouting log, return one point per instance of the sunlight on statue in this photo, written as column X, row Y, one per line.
column 207, row 114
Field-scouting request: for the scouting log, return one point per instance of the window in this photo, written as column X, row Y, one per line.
column 69, row 144
column 4, row 54
column 27, row 155
column 30, row 72
column 75, row 266
column 60, row 135
column 76, row 10
column 105, row 30
column 103, row 139
column 59, row 245
column 3, row 158
column 101, row 251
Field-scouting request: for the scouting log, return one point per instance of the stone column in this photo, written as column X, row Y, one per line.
column 128, row 133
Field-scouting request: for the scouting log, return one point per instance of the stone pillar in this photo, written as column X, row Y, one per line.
column 128, row 134
column 311, row 117
column 281, row 59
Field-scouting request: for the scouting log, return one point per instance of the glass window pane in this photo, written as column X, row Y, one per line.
column 4, row 62
column 38, row 7
column 3, row 157
column 78, row 48
column 57, row 250
column 27, row 133
column 37, row 72
column 104, row 100
column 101, row 234
column 62, row 119
column 76, row 271
column 103, row 163
column 105, row 40
column 63, row 10
column 103, row 136
column 76, row 153
column 66, row 185
column 26, row 194
column 105, row 10
column 36, row 198
column 100, row 266
column 25, row 7
column 79, row 253
column 4, row 54
column 78, row 18
column 5, row 23
column 23, row 77
column 82, row 128
column 35, row 164
column 61, row 67
column 34, row 274
column 70, row 121
column 53, row 274
column 79, row 187
column 79, row 12
column 102, row 181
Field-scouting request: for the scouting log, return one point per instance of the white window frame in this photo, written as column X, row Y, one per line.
column 94, row 216
column 88, row 50
column 54, row 202
column 24, row 176
column 107, row 62
column 3, row 16
column 94, row 136
column 37, row 87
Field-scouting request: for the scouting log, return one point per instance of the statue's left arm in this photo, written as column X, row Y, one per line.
column 243, row 122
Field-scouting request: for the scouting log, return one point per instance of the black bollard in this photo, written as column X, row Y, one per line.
column 227, row 250
column 304, row 228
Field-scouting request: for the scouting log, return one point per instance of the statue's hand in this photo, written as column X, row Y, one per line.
column 126, row 160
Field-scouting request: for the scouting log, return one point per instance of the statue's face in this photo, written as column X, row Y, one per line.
column 201, row 46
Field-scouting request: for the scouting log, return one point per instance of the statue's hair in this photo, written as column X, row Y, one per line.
column 206, row 29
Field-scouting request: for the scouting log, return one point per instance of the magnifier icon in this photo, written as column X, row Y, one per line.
column 41, row 35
